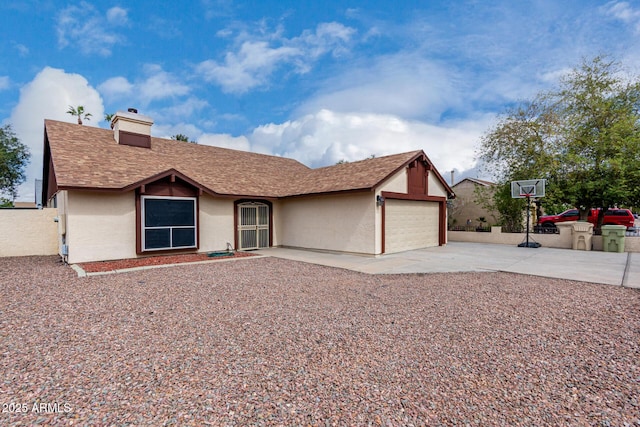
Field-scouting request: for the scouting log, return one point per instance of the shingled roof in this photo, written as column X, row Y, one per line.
column 84, row 157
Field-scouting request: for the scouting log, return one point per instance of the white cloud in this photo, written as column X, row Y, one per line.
column 117, row 16
column 328, row 37
column 5, row 82
column 159, row 84
column 82, row 27
column 406, row 85
column 180, row 113
column 248, row 68
column 225, row 141
column 115, row 87
column 258, row 57
column 327, row 136
column 156, row 84
column 623, row 12
column 184, row 109
column 48, row 96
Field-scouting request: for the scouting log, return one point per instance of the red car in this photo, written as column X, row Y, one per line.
column 611, row 217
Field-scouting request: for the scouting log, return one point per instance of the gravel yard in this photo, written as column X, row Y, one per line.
column 265, row 341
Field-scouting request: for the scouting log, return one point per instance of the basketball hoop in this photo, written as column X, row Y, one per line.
column 527, row 189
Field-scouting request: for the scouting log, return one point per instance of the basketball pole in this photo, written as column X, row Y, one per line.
column 527, row 244
column 528, row 216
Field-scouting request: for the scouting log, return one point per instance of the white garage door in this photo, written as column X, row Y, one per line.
column 410, row 225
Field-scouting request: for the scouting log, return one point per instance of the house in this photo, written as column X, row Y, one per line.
column 122, row 193
column 467, row 208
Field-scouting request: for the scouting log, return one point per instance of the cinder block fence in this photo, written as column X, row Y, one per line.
column 564, row 240
column 25, row 232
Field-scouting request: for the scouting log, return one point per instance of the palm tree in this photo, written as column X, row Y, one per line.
column 108, row 118
column 79, row 111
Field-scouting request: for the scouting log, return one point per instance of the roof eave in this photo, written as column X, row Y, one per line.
column 332, row 192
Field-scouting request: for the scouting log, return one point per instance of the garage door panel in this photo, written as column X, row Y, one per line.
column 411, row 224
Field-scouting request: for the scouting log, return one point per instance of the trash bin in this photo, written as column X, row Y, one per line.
column 581, row 233
column 613, row 238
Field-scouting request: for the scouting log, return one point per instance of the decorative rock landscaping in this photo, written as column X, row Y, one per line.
column 266, row 341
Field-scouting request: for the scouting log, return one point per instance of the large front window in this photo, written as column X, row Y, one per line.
column 168, row 223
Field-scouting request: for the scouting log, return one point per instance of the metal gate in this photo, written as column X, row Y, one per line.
column 253, row 225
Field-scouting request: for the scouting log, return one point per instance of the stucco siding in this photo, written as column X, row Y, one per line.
column 100, row 226
column 277, row 223
column 397, row 183
column 25, row 232
column 216, row 223
column 435, row 186
column 338, row 223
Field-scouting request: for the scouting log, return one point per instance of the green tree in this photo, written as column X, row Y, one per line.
column 108, row 118
column 14, row 157
column 79, row 112
column 181, row 137
column 583, row 137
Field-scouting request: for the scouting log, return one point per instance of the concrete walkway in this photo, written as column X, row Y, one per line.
column 596, row 267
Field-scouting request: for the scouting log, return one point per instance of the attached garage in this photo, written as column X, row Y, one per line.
column 412, row 222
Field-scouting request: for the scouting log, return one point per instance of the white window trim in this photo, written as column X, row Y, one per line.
column 143, row 226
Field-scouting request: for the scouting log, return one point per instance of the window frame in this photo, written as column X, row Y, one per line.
column 143, row 226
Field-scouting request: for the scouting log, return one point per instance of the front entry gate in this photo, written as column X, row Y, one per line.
column 253, row 225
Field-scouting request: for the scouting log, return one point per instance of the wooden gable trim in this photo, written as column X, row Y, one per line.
column 172, row 174
column 169, row 187
column 418, row 176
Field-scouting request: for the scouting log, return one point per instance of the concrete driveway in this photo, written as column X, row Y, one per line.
column 596, row 267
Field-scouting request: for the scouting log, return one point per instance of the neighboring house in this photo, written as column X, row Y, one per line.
column 121, row 194
column 466, row 209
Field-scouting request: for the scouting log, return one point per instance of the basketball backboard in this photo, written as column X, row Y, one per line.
column 528, row 188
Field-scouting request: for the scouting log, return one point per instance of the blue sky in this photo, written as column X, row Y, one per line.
column 316, row 81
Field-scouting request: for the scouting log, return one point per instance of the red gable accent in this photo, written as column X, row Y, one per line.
column 418, row 173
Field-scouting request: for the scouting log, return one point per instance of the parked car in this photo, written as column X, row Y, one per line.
column 611, row 217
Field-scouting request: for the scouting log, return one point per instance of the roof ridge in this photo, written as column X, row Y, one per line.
column 368, row 159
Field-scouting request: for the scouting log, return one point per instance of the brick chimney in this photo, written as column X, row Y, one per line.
column 131, row 128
